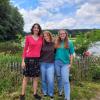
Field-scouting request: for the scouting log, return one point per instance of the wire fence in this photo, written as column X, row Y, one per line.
column 84, row 68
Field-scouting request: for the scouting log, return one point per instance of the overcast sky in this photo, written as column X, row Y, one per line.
column 57, row 14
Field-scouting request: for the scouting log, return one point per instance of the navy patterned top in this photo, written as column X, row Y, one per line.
column 47, row 52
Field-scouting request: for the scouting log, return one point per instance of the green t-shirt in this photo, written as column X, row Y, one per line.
column 63, row 54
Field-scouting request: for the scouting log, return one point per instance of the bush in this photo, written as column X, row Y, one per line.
column 96, row 73
column 84, row 40
column 85, row 69
column 8, row 78
column 10, row 47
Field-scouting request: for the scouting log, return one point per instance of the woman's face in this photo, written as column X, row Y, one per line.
column 35, row 30
column 46, row 37
column 62, row 34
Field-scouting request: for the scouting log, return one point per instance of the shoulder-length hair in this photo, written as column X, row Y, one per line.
column 40, row 30
column 58, row 40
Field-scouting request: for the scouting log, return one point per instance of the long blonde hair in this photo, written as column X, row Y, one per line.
column 58, row 41
column 49, row 34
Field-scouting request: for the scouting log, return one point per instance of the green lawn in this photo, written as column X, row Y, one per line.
column 79, row 91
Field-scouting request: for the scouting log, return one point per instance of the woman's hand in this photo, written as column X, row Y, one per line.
column 69, row 66
column 23, row 64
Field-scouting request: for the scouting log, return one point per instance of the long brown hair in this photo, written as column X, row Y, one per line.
column 58, row 41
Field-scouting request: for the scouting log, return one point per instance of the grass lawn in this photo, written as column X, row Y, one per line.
column 79, row 91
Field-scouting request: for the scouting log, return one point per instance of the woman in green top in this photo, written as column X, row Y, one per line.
column 63, row 62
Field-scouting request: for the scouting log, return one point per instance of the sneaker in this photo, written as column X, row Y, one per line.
column 22, row 97
column 45, row 95
column 60, row 95
column 37, row 97
column 51, row 98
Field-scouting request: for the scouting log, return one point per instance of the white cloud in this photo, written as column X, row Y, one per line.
column 17, row 4
column 94, row 1
column 87, row 10
column 47, row 4
column 30, row 17
column 34, row 15
column 64, row 23
column 53, row 22
column 86, row 15
column 51, row 4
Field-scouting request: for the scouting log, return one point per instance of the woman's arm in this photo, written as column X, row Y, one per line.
column 71, row 51
column 71, row 60
column 24, row 52
column 23, row 63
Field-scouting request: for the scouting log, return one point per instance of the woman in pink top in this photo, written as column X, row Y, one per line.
column 30, row 60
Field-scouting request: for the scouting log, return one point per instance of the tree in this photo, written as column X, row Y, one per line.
column 11, row 21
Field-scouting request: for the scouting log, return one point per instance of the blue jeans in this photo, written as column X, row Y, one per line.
column 47, row 76
column 62, row 74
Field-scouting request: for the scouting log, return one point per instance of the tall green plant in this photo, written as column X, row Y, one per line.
column 84, row 40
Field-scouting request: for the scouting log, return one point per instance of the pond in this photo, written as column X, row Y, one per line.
column 94, row 49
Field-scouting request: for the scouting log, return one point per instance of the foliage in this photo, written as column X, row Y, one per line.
column 8, row 78
column 10, row 82
column 8, row 58
column 10, row 47
column 96, row 72
column 86, row 69
column 83, row 41
column 11, row 21
column 84, row 90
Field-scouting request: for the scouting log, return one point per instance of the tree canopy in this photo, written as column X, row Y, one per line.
column 11, row 21
column 83, row 41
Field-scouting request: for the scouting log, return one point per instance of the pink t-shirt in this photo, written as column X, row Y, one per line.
column 32, row 47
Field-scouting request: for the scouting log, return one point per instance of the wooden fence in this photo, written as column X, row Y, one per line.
column 83, row 68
